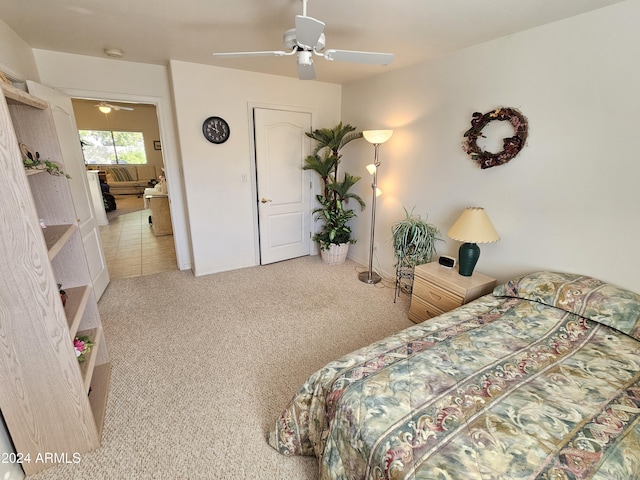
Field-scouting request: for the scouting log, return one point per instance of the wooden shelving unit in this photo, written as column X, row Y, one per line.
column 77, row 299
column 98, row 394
column 56, row 236
column 86, row 368
column 51, row 403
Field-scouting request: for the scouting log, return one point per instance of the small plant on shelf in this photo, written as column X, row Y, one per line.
column 33, row 161
column 82, row 346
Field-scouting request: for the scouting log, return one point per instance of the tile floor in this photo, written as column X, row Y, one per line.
column 130, row 247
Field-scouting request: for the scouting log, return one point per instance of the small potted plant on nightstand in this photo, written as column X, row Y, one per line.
column 334, row 237
column 414, row 243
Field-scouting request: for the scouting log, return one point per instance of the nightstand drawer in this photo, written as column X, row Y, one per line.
column 435, row 295
column 419, row 311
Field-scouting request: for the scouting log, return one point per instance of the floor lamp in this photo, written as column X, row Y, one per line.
column 375, row 137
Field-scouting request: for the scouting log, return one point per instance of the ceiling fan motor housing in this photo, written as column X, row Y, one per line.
column 290, row 41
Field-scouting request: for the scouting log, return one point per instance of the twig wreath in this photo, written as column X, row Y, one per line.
column 511, row 145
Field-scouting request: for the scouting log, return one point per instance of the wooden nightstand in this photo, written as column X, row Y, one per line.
column 437, row 290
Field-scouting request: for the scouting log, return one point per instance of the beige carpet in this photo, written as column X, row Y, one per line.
column 201, row 367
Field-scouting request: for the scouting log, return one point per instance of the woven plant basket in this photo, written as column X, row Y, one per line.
column 336, row 254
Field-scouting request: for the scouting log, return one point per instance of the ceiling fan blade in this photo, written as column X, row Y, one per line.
column 306, row 70
column 115, row 107
column 308, row 30
column 371, row 58
column 277, row 53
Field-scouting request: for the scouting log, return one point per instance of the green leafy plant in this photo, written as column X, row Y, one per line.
column 325, row 161
column 414, row 240
column 38, row 164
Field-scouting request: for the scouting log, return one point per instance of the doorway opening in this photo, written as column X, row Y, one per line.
column 121, row 145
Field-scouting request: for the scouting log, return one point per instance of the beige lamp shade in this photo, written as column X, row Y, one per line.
column 377, row 137
column 473, row 226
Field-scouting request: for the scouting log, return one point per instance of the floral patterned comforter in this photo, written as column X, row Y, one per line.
column 539, row 380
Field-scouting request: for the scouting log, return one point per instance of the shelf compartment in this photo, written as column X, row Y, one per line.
column 55, row 236
column 77, row 299
column 32, row 171
column 15, row 96
column 99, row 393
column 87, row 367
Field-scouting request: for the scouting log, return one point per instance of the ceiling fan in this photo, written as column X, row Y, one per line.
column 105, row 107
column 307, row 39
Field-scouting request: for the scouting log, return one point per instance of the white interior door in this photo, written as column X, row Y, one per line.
column 69, row 139
column 284, row 188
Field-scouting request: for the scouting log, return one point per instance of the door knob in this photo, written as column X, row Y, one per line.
column 265, row 200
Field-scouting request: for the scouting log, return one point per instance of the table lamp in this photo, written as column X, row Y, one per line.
column 472, row 227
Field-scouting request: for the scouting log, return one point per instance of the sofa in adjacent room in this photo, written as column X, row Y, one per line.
column 129, row 179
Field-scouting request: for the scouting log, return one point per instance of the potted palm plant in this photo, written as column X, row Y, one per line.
column 414, row 243
column 334, row 237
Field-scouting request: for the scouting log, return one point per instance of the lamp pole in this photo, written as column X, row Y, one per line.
column 376, row 138
column 370, row 276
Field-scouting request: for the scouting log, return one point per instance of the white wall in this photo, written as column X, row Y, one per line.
column 570, row 199
column 108, row 79
column 16, row 56
column 221, row 205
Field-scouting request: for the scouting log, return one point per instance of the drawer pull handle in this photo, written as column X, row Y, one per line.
column 436, row 296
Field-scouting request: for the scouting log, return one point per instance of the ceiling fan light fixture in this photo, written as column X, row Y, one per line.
column 304, row 58
column 106, row 107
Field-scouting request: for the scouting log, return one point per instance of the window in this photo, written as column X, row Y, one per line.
column 105, row 147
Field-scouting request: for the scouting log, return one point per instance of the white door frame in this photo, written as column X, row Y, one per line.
column 253, row 170
column 171, row 165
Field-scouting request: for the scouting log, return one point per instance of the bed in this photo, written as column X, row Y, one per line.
column 540, row 379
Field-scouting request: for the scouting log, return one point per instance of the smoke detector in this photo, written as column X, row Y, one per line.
column 113, row 52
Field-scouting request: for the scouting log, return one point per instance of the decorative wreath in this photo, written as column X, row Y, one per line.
column 511, row 145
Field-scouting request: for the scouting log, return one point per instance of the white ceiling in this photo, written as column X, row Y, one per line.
column 155, row 31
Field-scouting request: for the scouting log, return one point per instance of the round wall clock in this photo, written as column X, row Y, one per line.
column 216, row 130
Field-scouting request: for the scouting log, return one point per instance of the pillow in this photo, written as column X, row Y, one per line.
column 580, row 294
column 121, row 174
